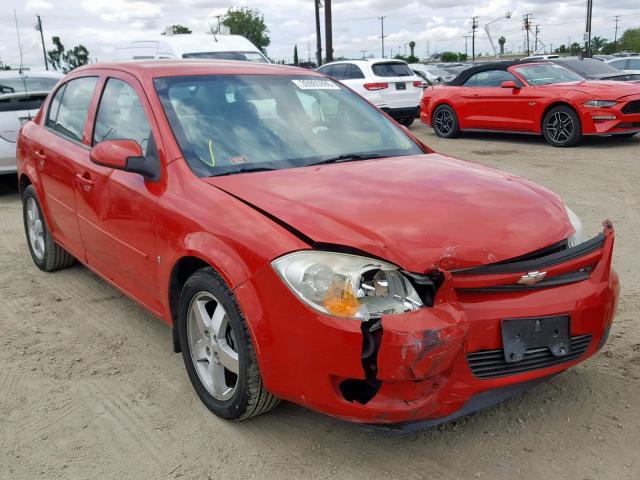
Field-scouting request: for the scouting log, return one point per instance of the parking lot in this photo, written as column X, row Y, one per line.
column 89, row 386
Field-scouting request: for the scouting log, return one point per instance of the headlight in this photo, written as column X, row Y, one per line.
column 347, row 286
column 578, row 237
column 600, row 103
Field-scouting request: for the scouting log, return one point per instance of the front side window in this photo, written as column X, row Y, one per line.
column 242, row 56
column 121, row 116
column 547, row 74
column 491, row 78
column 391, row 69
column 229, row 123
column 70, row 107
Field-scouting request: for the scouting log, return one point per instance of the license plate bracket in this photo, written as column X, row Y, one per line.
column 521, row 334
column 401, row 86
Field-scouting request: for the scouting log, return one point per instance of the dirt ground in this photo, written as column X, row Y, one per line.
column 89, row 387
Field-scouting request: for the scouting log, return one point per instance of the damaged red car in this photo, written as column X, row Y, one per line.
column 305, row 247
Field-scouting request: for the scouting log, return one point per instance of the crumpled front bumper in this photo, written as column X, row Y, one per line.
column 419, row 369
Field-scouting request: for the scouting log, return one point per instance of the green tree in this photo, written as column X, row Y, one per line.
column 250, row 24
column 502, row 41
column 295, row 55
column 630, row 40
column 608, row 48
column 178, row 30
column 575, row 48
column 67, row 60
column 449, row 57
column 597, row 43
column 561, row 49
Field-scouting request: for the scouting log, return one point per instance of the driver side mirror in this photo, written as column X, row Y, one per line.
column 125, row 155
column 510, row 84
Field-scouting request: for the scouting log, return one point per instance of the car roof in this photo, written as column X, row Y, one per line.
column 195, row 42
column 485, row 67
column 366, row 61
column 181, row 67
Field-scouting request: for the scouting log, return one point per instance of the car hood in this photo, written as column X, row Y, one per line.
column 417, row 212
column 600, row 89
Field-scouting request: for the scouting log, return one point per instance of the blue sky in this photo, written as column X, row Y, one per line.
column 433, row 25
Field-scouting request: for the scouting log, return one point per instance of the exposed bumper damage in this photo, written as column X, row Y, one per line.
column 414, row 366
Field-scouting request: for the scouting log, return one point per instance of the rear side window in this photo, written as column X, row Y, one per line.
column 121, row 116
column 634, row 64
column 17, row 103
column 70, row 107
column 619, row 64
column 392, row 69
column 353, row 72
column 491, row 78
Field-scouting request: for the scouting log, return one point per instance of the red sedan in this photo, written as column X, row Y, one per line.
column 305, row 247
column 536, row 98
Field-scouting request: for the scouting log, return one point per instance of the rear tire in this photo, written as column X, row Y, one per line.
column 445, row 122
column 46, row 253
column 561, row 127
column 218, row 351
column 407, row 122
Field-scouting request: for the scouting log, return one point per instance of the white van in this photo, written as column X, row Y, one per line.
column 193, row 45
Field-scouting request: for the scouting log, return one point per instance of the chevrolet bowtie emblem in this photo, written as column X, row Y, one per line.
column 532, row 278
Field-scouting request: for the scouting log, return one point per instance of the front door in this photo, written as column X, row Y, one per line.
column 117, row 209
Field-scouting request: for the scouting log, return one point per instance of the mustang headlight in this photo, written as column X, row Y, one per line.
column 600, row 103
column 578, row 237
column 347, row 286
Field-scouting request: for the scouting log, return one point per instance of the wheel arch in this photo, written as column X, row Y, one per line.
column 23, row 182
column 554, row 104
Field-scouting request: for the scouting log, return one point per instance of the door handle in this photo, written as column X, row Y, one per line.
column 84, row 182
column 40, row 155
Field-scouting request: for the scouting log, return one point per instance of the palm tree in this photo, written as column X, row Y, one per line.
column 502, row 41
column 597, row 43
column 412, row 46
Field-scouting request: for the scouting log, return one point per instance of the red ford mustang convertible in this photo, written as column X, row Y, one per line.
column 305, row 247
column 534, row 98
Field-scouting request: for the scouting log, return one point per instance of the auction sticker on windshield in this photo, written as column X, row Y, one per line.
column 316, row 85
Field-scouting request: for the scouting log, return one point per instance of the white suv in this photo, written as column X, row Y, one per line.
column 389, row 84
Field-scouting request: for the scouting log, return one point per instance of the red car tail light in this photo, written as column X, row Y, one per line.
column 417, row 84
column 376, row 86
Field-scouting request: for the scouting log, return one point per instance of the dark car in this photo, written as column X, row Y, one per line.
column 593, row 69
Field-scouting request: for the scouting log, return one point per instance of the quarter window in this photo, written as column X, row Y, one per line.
column 353, row 72
column 70, row 107
column 121, row 116
column 634, row 64
column 490, row 78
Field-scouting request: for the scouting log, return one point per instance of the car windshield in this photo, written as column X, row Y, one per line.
column 33, row 84
column 589, row 66
column 228, row 124
column 242, row 56
column 546, row 74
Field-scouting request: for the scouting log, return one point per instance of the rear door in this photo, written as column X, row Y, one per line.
column 400, row 91
column 117, row 209
column 488, row 106
column 64, row 141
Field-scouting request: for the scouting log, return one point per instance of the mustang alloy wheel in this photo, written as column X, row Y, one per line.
column 445, row 122
column 218, row 351
column 561, row 127
column 45, row 252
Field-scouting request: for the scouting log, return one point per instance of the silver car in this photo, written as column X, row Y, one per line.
column 21, row 94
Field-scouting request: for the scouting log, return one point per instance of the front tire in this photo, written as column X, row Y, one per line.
column 561, row 127
column 445, row 122
column 217, row 349
column 46, row 253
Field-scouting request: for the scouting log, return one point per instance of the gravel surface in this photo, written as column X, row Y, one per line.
column 89, row 387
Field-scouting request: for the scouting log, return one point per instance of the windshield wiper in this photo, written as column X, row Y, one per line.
column 350, row 157
column 245, row 170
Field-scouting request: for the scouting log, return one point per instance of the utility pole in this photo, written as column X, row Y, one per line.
column 328, row 33
column 537, row 31
column 587, row 35
column 615, row 41
column 382, row 35
column 466, row 39
column 526, row 19
column 44, row 50
column 219, row 17
column 474, row 27
column 364, row 54
column 318, row 34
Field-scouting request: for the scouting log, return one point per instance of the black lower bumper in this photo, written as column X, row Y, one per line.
column 402, row 113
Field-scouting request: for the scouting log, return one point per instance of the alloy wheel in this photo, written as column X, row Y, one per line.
column 560, row 127
column 444, row 121
column 213, row 346
column 35, row 229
